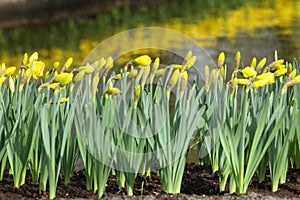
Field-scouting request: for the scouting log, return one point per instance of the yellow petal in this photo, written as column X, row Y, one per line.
column 159, row 72
column 174, row 78
column 113, row 91
column 53, row 86
column 143, row 60
column 33, row 57
column 56, row 64
column 261, row 63
column 64, row 78
column 10, row 71
column 280, row 72
column 248, row 72
column 64, row 99
column 132, row 73
column 267, row 75
column 25, row 59
column 78, row 77
column 87, row 69
column 177, row 67
column 69, row 63
column 293, row 73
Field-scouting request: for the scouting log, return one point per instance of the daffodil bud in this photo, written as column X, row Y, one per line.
column 137, row 93
column 191, row 62
column 188, row 55
column 95, row 83
column 56, row 65
column 242, row 81
column 113, row 91
column 33, row 57
column 206, row 77
column 79, row 76
column 64, row 100
column 110, row 62
column 87, row 69
column 259, row 83
column 69, row 63
column 280, row 72
column 183, row 83
column 25, row 59
column 293, row 73
column 248, row 72
column 290, row 67
column 278, row 65
column 253, row 62
column 177, row 67
column 174, row 78
column 266, row 75
column 11, row 84
column 53, row 86
column 237, row 60
column 155, row 64
column 159, row 72
column 133, row 73
column 221, row 59
column 143, row 60
column 10, row 71
column 261, row 64
column 297, row 79
column 64, row 78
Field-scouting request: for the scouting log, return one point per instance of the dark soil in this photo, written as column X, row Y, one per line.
column 198, row 183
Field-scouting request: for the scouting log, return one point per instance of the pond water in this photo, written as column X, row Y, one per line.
column 256, row 28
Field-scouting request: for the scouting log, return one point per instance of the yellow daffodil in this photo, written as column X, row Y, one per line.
column 177, row 67
column 237, row 59
column 36, row 70
column 259, row 83
column 113, row 91
column 159, row 72
column 297, row 79
column 56, row 65
column 64, row 78
column 64, row 100
column 280, row 72
column 69, row 63
column 293, row 73
column 133, row 73
column 110, row 62
column 248, row 72
column 10, row 71
column 137, row 93
column 242, row 81
column 191, row 62
column 269, row 77
column 253, row 62
column 87, row 69
column 174, row 78
column 278, row 65
column 53, row 86
column 143, row 60
column 261, row 64
column 79, row 76
column 221, row 59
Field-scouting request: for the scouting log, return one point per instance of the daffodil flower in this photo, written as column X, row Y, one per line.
column 142, row 61
column 248, row 72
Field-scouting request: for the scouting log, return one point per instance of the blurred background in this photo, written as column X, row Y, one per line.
column 59, row 29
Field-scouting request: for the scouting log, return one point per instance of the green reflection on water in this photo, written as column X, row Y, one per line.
column 255, row 28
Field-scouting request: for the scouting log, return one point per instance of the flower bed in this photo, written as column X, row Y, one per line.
column 145, row 119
